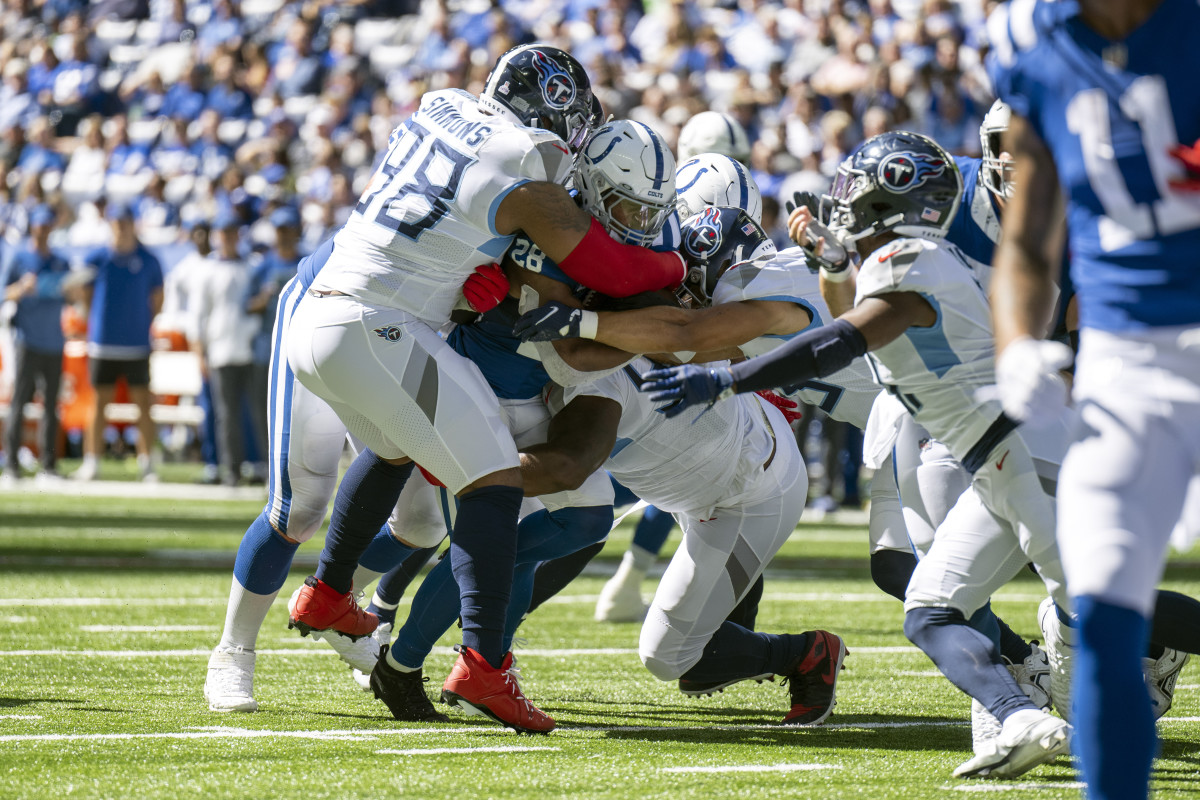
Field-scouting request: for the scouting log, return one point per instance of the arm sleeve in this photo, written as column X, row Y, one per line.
column 813, row 354
column 621, row 270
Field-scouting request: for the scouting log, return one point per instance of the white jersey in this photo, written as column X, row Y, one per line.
column 936, row 371
column 427, row 219
column 673, row 463
column 847, row 394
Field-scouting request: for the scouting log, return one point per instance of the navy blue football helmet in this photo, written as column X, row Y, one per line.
column 713, row 241
column 896, row 181
column 543, row 87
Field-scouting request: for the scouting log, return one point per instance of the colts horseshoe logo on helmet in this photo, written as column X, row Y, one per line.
column 902, row 172
column 558, row 89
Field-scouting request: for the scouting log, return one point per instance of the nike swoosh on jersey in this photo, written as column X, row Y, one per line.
column 1000, row 463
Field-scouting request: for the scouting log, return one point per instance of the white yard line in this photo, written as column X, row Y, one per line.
column 21, row 716
column 218, row 732
column 754, row 768
column 146, row 628
column 21, row 602
column 317, row 650
column 438, row 751
column 1016, row 787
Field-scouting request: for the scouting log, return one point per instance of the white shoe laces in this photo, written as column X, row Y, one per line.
column 231, row 673
column 511, row 677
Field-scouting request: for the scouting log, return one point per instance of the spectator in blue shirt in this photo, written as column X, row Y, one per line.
column 125, row 294
column 76, row 87
column 296, row 70
column 185, row 99
column 39, row 157
column 226, row 97
column 213, row 156
column 35, row 283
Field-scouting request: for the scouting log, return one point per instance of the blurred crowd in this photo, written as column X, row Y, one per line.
column 253, row 117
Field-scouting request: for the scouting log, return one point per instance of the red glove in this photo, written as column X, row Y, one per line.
column 486, row 287
column 1190, row 158
column 788, row 407
column 429, row 475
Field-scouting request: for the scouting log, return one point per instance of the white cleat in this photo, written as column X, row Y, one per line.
column 361, row 653
column 1161, row 674
column 985, row 728
column 1060, row 653
column 1033, row 676
column 621, row 598
column 87, row 471
column 1028, row 738
column 230, row 682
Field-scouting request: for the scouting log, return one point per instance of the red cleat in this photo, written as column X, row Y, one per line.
column 478, row 688
column 317, row 607
column 813, row 681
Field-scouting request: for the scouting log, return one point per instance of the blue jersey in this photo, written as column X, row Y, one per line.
column 311, row 264
column 39, row 314
column 1109, row 113
column 975, row 229
column 119, row 322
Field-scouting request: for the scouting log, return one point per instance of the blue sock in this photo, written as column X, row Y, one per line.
column 623, row 496
column 892, row 570
column 653, row 529
column 385, row 552
column 968, row 658
column 551, row 577
column 734, row 652
column 522, row 590
column 393, row 584
column 263, row 558
column 746, row 612
column 1012, row 645
column 364, row 502
column 483, row 553
column 1176, row 622
column 546, row 535
column 434, row 609
column 987, row 623
column 1114, row 725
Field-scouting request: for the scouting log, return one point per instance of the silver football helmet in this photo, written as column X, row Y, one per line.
column 626, row 179
column 713, row 179
column 997, row 172
column 713, row 132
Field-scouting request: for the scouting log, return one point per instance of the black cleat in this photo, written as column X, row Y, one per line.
column 709, row 688
column 403, row 692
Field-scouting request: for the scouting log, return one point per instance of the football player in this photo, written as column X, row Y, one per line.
column 625, row 176
column 713, row 132
column 305, row 444
column 707, row 179
column 921, row 313
column 1104, row 108
column 460, row 177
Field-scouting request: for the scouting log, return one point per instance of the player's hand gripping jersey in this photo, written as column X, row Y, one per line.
column 427, row 219
column 936, row 371
column 846, row 395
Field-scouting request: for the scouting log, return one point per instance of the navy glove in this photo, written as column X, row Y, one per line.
column 687, row 386
column 555, row 321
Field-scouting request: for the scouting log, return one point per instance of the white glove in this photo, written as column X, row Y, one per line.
column 1028, row 384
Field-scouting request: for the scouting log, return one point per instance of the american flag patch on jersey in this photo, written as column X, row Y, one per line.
column 747, row 229
column 931, row 215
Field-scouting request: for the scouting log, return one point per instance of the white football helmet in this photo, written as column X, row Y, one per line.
column 712, row 179
column 713, row 132
column 626, row 179
column 997, row 173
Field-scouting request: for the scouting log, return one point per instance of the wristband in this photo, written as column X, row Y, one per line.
column 589, row 322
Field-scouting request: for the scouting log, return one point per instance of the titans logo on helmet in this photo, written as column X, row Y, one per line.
column 391, row 333
column 900, row 173
column 702, row 233
column 558, row 89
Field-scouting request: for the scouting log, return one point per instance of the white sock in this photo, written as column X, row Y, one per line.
column 363, row 578
column 640, row 558
column 396, row 665
column 89, row 460
column 244, row 617
column 380, row 603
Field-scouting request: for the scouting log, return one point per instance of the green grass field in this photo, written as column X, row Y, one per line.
column 108, row 609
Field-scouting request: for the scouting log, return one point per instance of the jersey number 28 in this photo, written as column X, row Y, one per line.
column 415, row 184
